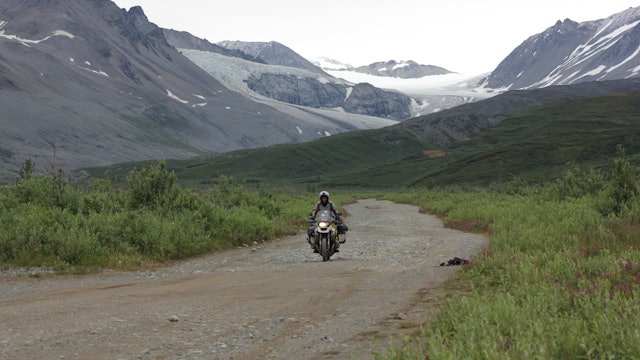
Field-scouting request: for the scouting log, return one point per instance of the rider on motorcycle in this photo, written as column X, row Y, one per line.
column 325, row 204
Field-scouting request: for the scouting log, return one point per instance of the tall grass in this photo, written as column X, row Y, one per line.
column 559, row 280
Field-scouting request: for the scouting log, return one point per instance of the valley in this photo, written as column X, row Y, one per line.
column 104, row 255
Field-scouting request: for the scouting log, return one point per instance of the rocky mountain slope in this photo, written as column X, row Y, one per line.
column 85, row 83
column 571, row 52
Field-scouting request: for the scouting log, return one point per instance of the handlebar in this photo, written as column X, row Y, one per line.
column 313, row 221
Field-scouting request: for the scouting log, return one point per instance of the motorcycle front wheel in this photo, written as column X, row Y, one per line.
column 324, row 248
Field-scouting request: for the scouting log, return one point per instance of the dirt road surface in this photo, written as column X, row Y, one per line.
column 274, row 300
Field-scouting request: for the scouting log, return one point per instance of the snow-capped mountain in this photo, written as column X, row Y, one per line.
column 328, row 64
column 432, row 88
column 273, row 53
column 308, row 92
column 431, row 93
column 289, row 78
column 571, row 52
column 405, row 69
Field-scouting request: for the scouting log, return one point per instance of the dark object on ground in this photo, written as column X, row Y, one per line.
column 455, row 261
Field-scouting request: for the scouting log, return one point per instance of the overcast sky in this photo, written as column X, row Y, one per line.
column 465, row 36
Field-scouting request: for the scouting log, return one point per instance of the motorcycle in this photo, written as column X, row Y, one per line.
column 325, row 234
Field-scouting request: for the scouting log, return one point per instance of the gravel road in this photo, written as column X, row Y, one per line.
column 275, row 300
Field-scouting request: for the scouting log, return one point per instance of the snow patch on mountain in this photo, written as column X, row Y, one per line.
column 326, row 63
column 174, row 97
column 26, row 42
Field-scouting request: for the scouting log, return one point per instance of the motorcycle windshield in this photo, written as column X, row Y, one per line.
column 324, row 215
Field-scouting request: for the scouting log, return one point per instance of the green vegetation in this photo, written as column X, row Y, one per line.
column 560, row 279
column 303, row 165
column 535, row 145
column 46, row 221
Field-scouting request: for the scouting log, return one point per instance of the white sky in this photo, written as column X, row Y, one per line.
column 465, row 36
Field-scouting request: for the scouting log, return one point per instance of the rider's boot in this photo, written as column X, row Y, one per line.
column 310, row 241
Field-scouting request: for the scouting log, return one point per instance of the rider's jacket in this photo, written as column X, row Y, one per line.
column 328, row 206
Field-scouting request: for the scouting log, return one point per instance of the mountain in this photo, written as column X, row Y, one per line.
column 462, row 122
column 530, row 135
column 404, row 69
column 185, row 40
column 432, row 88
column 85, row 83
column 326, row 63
column 289, row 78
column 431, row 93
column 273, row 53
column 571, row 52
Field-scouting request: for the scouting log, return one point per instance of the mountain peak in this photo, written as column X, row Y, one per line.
column 273, row 53
column 137, row 11
column 571, row 52
column 404, row 69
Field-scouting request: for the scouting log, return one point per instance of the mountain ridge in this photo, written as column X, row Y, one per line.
column 569, row 52
column 96, row 84
column 524, row 135
column 405, row 69
column 291, row 79
column 274, row 53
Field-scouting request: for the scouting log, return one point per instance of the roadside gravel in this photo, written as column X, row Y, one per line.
column 274, row 300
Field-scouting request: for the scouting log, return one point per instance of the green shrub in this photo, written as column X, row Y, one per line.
column 623, row 188
column 152, row 186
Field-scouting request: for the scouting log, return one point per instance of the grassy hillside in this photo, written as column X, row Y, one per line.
column 537, row 144
column 307, row 164
column 532, row 145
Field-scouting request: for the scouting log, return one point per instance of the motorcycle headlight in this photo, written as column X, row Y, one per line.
column 323, row 224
